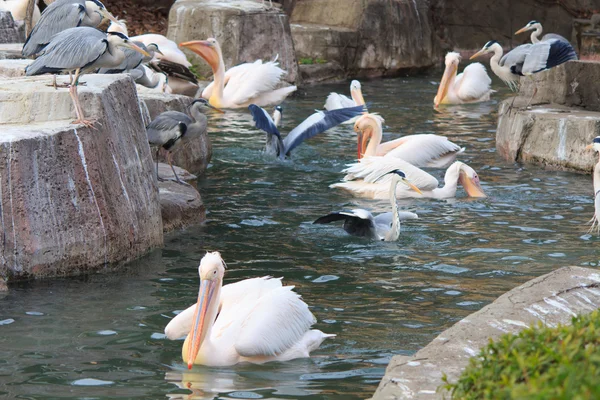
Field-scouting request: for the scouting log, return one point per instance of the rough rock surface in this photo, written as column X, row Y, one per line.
column 327, row 72
column 73, row 199
column 8, row 30
column 366, row 37
column 10, row 51
column 245, row 30
column 552, row 136
column 552, row 298
column 13, row 68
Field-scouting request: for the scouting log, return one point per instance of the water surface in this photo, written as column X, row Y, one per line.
column 100, row 336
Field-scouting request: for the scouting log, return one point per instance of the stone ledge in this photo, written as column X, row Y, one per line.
column 552, row 298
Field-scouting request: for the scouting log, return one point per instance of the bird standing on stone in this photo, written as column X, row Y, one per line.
column 81, row 50
column 536, row 27
column 595, row 221
column 168, row 129
column 471, row 86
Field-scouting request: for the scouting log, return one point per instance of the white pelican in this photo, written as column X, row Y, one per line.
column 422, row 150
column 471, row 86
column 255, row 320
column 536, row 27
column 386, row 226
column 318, row 122
column 595, row 221
column 18, row 10
column 526, row 59
column 362, row 179
column 253, row 83
column 335, row 100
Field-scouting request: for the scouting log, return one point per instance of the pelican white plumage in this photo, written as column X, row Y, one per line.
column 422, row 150
column 252, row 83
column 317, row 123
column 362, row 179
column 18, row 10
column 536, row 27
column 526, row 59
column 470, row 86
column 255, row 320
column 386, row 226
column 335, row 100
column 595, row 221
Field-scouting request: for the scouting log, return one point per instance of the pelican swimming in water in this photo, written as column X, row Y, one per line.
column 255, row 320
column 471, row 86
column 422, row 150
column 250, row 83
column 526, row 59
column 335, row 100
column 362, row 179
column 595, row 221
column 317, row 123
column 536, row 27
column 385, row 226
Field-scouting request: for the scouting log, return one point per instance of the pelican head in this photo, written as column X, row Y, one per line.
column 452, row 61
column 595, row 145
column 211, row 270
column 365, row 127
column 204, row 103
column 356, row 93
column 531, row 25
column 120, row 40
column 400, row 176
column 469, row 179
column 208, row 49
column 487, row 48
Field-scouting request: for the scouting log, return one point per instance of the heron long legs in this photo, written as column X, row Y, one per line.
column 78, row 109
column 170, row 161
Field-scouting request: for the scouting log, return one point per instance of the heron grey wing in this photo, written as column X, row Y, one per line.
column 167, row 128
column 516, row 55
column 57, row 17
column 357, row 222
column 556, row 36
column 139, row 75
column 548, row 54
column 132, row 60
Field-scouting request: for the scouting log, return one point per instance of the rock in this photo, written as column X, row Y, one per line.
column 552, row 136
column 245, row 30
column 165, row 172
column 153, row 104
column 11, row 51
column 586, row 34
column 366, row 37
column 8, row 30
column 318, row 73
column 552, row 299
column 73, row 199
column 13, row 68
column 180, row 205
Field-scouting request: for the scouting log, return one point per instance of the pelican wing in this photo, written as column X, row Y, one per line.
column 250, row 82
column 238, row 69
column 547, row 54
column 373, row 169
column 335, row 101
column 317, row 123
column 169, row 48
column 386, row 218
column 423, row 150
column 473, row 83
column 273, row 324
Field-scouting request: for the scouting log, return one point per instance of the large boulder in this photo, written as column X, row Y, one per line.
column 8, row 31
column 366, row 37
column 552, row 299
column 73, row 198
column 245, row 30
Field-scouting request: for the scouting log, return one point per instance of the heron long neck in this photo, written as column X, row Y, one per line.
column 374, row 141
column 92, row 15
column 199, row 118
column 535, row 35
column 219, row 76
column 597, row 177
column 112, row 57
column 394, row 233
column 450, row 182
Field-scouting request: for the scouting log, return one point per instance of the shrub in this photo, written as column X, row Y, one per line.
column 538, row 363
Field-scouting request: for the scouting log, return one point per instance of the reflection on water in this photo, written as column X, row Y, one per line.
column 102, row 336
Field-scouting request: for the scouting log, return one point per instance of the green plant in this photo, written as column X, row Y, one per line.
column 310, row 61
column 538, row 363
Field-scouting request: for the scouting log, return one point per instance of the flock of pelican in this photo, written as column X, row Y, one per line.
column 259, row 320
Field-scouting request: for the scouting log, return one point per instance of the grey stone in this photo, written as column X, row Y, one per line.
column 8, row 30
column 181, row 206
column 553, row 299
column 245, row 30
column 73, row 199
column 552, row 136
column 13, row 68
column 11, row 51
column 318, row 73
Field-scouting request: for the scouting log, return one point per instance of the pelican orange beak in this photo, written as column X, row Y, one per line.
column 523, row 29
column 199, row 327
column 471, row 185
column 357, row 96
column 410, row 185
column 363, row 139
column 204, row 49
column 449, row 73
column 479, row 53
column 589, row 147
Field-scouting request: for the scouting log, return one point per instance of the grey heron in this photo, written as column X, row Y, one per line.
column 61, row 15
column 526, row 59
column 167, row 130
column 81, row 50
column 386, row 226
column 133, row 58
column 536, row 27
column 595, row 221
column 313, row 125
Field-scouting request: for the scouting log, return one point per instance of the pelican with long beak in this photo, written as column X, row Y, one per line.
column 422, row 150
column 536, row 27
column 363, row 180
column 385, row 226
column 255, row 320
column 335, row 100
column 254, row 83
column 595, row 145
column 471, row 86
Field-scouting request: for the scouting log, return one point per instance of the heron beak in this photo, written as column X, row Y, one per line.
column 107, row 14
column 524, row 29
column 215, row 108
column 449, row 74
column 204, row 50
column 199, row 328
column 479, row 53
column 472, row 187
column 410, row 185
column 137, row 48
column 159, row 52
column 357, row 97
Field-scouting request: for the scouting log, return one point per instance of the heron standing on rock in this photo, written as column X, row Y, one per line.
column 81, row 50
column 595, row 145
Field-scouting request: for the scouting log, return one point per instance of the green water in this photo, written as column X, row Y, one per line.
column 100, row 337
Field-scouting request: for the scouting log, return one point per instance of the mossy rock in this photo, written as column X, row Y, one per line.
column 538, row 363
